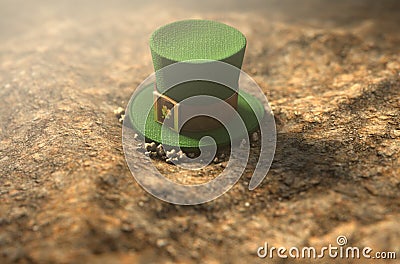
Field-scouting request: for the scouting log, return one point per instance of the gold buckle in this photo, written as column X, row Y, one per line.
column 166, row 110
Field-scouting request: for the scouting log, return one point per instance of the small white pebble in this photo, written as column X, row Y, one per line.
column 119, row 111
column 153, row 146
column 171, row 153
column 181, row 155
column 162, row 242
column 121, row 119
column 160, row 150
column 150, row 146
column 254, row 137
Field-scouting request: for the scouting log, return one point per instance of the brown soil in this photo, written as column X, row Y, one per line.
column 330, row 69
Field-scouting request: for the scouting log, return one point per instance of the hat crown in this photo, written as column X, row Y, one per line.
column 197, row 41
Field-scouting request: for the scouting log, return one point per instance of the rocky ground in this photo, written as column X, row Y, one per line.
column 330, row 70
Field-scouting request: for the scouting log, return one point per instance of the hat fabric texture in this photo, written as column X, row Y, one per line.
column 197, row 40
column 191, row 42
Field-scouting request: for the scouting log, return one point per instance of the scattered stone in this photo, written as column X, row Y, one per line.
column 126, row 228
column 119, row 112
column 171, row 153
column 152, row 150
column 254, row 137
column 162, row 242
column 223, row 164
column 121, row 119
column 153, row 146
column 150, row 146
column 181, row 155
column 160, row 150
column 216, row 160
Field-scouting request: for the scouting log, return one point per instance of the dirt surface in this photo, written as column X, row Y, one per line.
column 330, row 70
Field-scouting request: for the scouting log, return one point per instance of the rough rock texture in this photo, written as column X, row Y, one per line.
column 330, row 70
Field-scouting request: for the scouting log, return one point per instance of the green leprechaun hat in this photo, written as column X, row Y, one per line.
column 195, row 44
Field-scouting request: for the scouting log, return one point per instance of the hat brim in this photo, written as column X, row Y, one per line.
column 145, row 124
